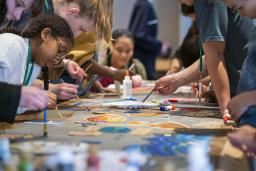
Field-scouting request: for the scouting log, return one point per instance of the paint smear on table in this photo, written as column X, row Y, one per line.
column 137, row 123
column 109, row 118
column 167, row 145
column 89, row 131
column 168, row 125
column 142, row 131
column 113, row 129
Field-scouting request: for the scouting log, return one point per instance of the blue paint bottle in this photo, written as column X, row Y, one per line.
column 165, row 108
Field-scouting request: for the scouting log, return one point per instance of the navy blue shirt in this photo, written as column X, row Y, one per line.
column 144, row 26
column 247, row 83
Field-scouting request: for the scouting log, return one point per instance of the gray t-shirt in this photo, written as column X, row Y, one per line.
column 217, row 22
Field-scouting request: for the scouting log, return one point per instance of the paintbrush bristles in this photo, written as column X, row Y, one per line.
column 80, row 100
column 59, row 114
column 45, row 130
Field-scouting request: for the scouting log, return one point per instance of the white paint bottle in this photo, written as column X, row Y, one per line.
column 127, row 86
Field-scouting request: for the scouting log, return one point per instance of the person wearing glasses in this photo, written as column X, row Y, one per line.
column 23, row 53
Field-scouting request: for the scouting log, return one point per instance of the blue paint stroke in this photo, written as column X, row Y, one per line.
column 115, row 129
column 135, row 111
column 167, row 146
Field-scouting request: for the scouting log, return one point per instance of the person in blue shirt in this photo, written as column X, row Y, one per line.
column 224, row 35
column 144, row 27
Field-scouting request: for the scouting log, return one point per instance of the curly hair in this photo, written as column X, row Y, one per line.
column 59, row 28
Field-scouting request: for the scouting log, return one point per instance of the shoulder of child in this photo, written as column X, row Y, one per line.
column 10, row 40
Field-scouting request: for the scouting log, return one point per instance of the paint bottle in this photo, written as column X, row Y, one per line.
column 127, row 86
column 167, row 108
column 117, row 86
column 226, row 115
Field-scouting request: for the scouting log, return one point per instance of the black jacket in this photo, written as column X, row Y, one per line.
column 9, row 101
column 144, row 26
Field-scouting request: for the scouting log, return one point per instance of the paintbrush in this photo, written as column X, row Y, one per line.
column 149, row 94
column 131, row 67
column 80, row 100
column 88, row 68
column 60, row 115
column 45, row 123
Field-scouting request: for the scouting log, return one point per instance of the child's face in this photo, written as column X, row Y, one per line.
column 244, row 7
column 51, row 51
column 80, row 24
column 122, row 52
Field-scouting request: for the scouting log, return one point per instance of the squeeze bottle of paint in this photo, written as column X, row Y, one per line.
column 117, row 86
column 127, row 86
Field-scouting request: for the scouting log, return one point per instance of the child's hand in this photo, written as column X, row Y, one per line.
column 33, row 98
column 136, row 81
column 195, row 88
column 64, row 91
column 166, row 85
column 52, row 100
column 238, row 105
column 75, row 71
column 244, row 139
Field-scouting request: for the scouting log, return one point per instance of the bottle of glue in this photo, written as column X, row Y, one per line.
column 127, row 86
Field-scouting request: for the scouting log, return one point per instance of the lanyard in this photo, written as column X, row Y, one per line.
column 201, row 56
column 46, row 5
column 29, row 70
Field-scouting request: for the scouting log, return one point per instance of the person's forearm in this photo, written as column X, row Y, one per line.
column 251, row 100
column 219, row 77
column 98, row 69
column 191, row 73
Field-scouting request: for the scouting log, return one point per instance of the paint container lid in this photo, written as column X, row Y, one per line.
column 127, row 74
column 165, row 108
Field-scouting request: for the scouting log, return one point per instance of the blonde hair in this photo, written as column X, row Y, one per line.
column 101, row 12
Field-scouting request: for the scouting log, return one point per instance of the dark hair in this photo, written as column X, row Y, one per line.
column 58, row 26
column 121, row 33
column 115, row 35
column 186, row 10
